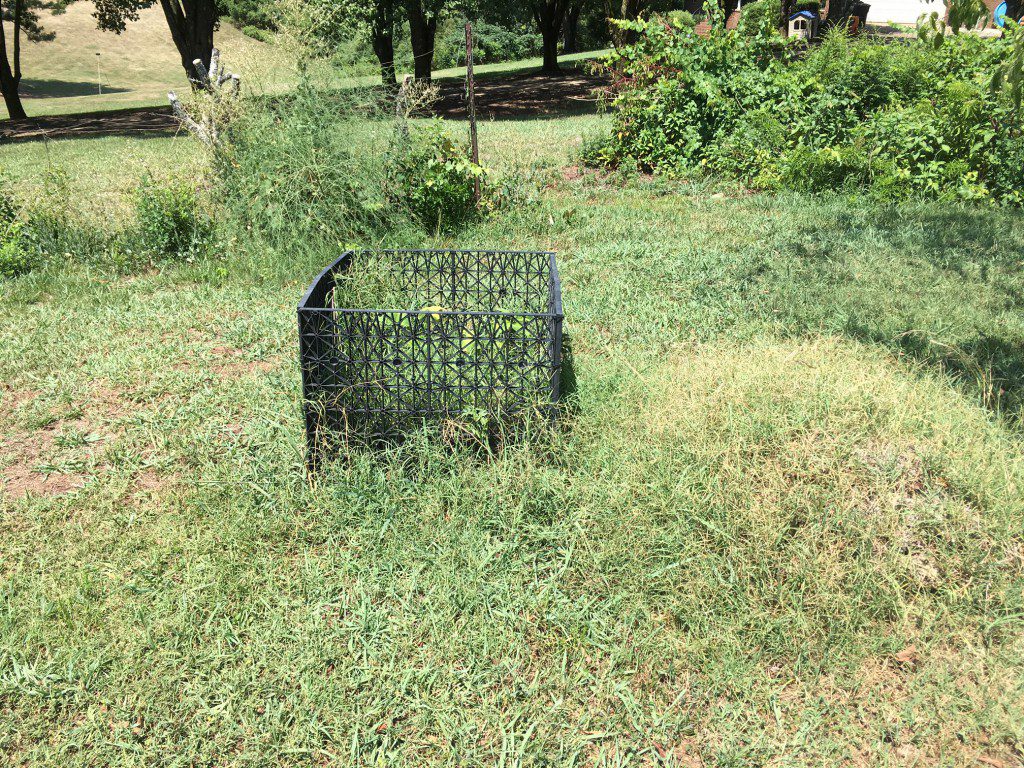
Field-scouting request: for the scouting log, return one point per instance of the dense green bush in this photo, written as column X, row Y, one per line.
column 491, row 43
column 432, row 176
column 170, row 221
column 915, row 118
column 15, row 257
column 254, row 14
column 49, row 226
column 257, row 33
column 304, row 174
column 318, row 170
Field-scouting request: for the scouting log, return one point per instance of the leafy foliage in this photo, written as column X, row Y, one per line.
column 290, row 176
column 15, row 258
column 432, row 176
column 170, row 221
column 923, row 118
column 252, row 14
column 491, row 43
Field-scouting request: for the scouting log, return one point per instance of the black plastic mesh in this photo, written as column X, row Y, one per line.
column 463, row 332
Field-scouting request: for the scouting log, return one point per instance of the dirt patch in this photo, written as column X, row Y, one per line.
column 572, row 173
column 226, row 362
column 20, row 481
column 25, row 473
column 12, row 399
column 150, row 485
column 523, row 95
column 232, row 363
column 30, row 459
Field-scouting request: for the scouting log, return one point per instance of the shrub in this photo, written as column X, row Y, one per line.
column 760, row 17
column 53, row 225
column 251, row 14
column 815, row 170
column 305, row 174
column 432, row 176
column 169, row 220
column 915, row 119
column 16, row 258
column 256, row 33
column 491, row 43
column 683, row 19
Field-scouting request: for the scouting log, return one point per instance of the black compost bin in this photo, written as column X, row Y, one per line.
column 392, row 339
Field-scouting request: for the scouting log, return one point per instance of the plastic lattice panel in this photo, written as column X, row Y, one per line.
column 391, row 339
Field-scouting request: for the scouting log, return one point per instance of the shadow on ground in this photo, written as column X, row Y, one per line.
column 58, row 89
column 121, row 122
column 839, row 285
column 500, row 95
column 524, row 95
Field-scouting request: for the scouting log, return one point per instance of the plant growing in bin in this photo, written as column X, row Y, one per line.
column 395, row 339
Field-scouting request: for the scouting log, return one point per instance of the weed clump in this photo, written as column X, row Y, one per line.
column 305, row 173
column 170, row 221
column 432, row 177
column 15, row 257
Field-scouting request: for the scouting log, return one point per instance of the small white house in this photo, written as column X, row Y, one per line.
column 803, row 24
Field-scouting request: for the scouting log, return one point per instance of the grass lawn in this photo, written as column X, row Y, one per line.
column 782, row 524
column 136, row 68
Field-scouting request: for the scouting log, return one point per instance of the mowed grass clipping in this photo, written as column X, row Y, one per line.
column 770, row 530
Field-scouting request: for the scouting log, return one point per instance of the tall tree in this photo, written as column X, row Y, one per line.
column 191, row 24
column 550, row 15
column 423, row 16
column 631, row 10
column 382, row 36
column 572, row 25
column 23, row 15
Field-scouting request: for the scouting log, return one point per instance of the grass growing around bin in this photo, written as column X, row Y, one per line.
column 782, row 524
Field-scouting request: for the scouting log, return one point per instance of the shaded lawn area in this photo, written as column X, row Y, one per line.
column 773, row 530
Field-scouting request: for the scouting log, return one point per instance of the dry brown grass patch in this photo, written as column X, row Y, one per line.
column 26, row 454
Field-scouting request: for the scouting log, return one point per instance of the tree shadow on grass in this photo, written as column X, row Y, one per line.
column 137, row 121
column 528, row 94
column 32, row 88
column 941, row 285
column 991, row 367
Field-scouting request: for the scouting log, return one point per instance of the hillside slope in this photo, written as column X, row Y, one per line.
column 136, row 68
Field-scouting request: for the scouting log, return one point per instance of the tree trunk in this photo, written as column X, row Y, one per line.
column 9, row 84
column 10, row 79
column 384, row 42
column 839, row 13
column 422, row 31
column 572, row 24
column 191, row 23
column 549, row 15
column 627, row 10
column 550, row 66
